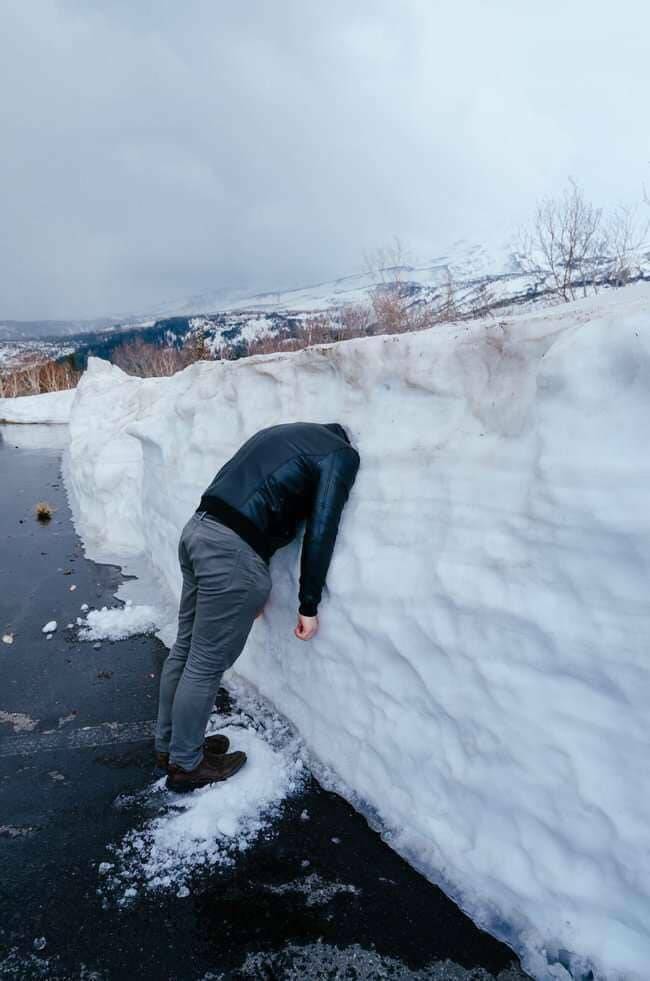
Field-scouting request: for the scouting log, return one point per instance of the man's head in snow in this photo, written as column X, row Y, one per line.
column 335, row 427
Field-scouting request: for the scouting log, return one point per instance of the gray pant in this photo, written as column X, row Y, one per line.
column 225, row 585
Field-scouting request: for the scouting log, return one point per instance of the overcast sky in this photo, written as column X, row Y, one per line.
column 152, row 149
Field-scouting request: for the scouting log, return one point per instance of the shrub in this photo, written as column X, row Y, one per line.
column 44, row 511
column 150, row 360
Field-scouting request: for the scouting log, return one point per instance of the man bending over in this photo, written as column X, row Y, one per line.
column 280, row 476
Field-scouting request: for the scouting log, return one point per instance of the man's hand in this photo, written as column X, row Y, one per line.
column 306, row 627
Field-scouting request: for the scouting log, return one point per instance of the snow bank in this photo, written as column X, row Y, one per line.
column 480, row 682
column 50, row 407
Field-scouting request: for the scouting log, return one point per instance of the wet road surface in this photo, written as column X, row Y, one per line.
column 75, row 723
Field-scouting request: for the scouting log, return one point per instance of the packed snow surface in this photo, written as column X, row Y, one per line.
column 49, row 407
column 480, row 682
column 118, row 623
column 211, row 826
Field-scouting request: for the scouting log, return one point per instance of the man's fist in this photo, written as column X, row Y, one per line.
column 306, row 627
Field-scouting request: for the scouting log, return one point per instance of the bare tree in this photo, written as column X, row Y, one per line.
column 386, row 264
column 33, row 377
column 356, row 318
column 569, row 236
column 626, row 233
column 449, row 308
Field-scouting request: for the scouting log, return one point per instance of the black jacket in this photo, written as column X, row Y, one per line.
column 280, row 476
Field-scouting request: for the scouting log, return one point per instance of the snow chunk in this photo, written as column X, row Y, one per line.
column 18, row 721
column 49, row 627
column 118, row 623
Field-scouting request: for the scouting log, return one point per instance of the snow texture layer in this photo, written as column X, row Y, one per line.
column 50, row 407
column 480, row 681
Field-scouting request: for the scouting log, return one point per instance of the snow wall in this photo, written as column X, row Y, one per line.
column 50, row 407
column 480, row 681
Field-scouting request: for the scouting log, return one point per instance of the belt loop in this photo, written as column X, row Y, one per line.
column 201, row 515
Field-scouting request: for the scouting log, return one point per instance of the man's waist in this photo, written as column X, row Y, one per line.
column 217, row 508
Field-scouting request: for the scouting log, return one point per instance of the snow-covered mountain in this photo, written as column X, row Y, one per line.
column 479, row 278
column 467, row 263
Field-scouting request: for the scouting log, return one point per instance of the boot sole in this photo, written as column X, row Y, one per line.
column 189, row 787
column 159, row 771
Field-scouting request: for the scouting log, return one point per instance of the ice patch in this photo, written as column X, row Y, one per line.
column 118, row 623
column 324, row 962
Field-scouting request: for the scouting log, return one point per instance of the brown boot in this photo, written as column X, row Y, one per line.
column 210, row 770
column 212, row 746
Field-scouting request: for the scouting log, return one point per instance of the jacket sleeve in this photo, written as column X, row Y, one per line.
column 336, row 474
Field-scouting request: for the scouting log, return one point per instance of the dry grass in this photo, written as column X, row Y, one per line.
column 44, row 511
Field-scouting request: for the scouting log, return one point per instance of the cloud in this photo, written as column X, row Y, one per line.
column 157, row 149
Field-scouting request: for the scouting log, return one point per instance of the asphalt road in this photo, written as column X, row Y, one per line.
column 75, row 725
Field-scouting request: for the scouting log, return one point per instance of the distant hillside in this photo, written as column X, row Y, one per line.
column 470, row 278
column 27, row 330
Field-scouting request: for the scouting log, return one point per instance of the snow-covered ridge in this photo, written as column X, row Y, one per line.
column 480, row 681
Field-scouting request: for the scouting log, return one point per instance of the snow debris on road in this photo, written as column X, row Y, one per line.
column 316, row 890
column 118, row 623
column 480, row 683
column 49, row 627
column 323, row 961
column 18, row 721
column 211, row 826
column 7, row 638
